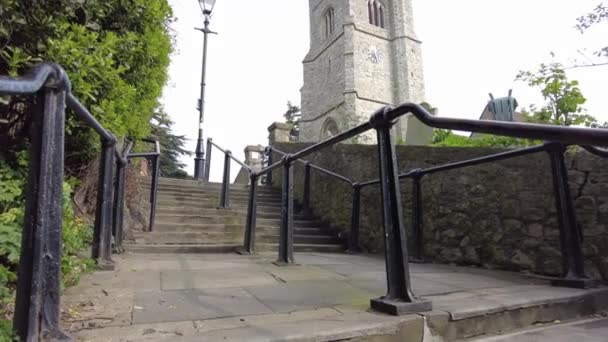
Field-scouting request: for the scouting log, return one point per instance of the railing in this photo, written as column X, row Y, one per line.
column 353, row 238
column 225, row 189
column 154, row 158
column 37, row 305
column 400, row 297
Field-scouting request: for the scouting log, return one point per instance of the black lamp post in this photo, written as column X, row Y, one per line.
column 199, row 159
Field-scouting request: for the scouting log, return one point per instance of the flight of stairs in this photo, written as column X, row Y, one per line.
column 188, row 221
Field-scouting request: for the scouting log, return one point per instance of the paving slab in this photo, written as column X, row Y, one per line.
column 354, row 327
column 167, row 306
column 314, row 259
column 166, row 297
column 301, row 272
column 96, row 310
column 303, row 295
column 163, row 264
column 216, row 278
column 472, row 281
column 110, row 282
column 312, row 325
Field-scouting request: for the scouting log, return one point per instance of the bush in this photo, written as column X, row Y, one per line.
column 443, row 137
column 77, row 236
column 115, row 52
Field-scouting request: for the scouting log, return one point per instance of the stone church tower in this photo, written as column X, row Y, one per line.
column 363, row 55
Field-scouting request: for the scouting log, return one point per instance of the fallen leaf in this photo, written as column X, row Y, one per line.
column 149, row 331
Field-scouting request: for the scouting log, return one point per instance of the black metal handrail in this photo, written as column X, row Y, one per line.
column 400, row 298
column 154, row 158
column 596, row 151
column 224, row 202
column 37, row 304
column 308, row 166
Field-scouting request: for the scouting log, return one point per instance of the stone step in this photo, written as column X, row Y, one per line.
column 242, row 202
column 199, row 219
column 228, row 228
column 220, row 219
column 262, row 212
column 226, row 248
column 199, row 211
column 211, row 192
column 179, row 184
column 274, row 212
column 231, row 196
column 181, row 238
column 211, row 203
column 233, row 230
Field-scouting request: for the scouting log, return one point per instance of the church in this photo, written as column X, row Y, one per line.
column 364, row 54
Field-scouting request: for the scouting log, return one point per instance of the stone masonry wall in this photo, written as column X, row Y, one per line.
column 497, row 215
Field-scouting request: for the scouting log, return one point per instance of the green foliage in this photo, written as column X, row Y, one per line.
column 115, row 52
column 564, row 97
column 172, row 146
column 292, row 116
column 77, row 234
column 6, row 330
column 597, row 16
column 443, row 137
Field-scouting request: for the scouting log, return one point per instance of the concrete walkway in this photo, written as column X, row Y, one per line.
column 227, row 297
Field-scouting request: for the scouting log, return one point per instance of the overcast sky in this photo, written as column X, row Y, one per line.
column 470, row 48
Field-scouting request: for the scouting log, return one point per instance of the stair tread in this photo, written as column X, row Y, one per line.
column 188, row 220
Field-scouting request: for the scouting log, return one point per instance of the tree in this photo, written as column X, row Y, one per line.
column 563, row 96
column 115, row 52
column 292, row 116
column 598, row 15
column 172, row 146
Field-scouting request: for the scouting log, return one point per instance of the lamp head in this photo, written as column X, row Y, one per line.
column 207, row 6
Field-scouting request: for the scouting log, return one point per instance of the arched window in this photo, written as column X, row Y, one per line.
column 329, row 22
column 375, row 11
column 329, row 129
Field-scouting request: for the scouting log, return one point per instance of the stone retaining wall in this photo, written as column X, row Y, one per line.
column 497, row 215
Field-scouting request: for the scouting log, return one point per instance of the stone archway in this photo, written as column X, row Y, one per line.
column 329, row 129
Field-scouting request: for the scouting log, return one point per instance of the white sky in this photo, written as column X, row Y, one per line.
column 470, row 48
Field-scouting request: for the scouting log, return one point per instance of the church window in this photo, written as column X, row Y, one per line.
column 375, row 11
column 329, row 22
column 329, row 129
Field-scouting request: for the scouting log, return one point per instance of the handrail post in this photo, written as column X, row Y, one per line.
column 119, row 203
column 269, row 161
column 208, row 164
column 286, row 233
column 353, row 238
column 225, row 191
column 37, row 304
column 570, row 235
column 154, row 190
column 417, row 229
column 102, row 232
column 306, row 196
column 400, row 298
column 249, row 243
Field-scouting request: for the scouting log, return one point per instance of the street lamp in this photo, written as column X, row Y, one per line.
column 199, row 159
